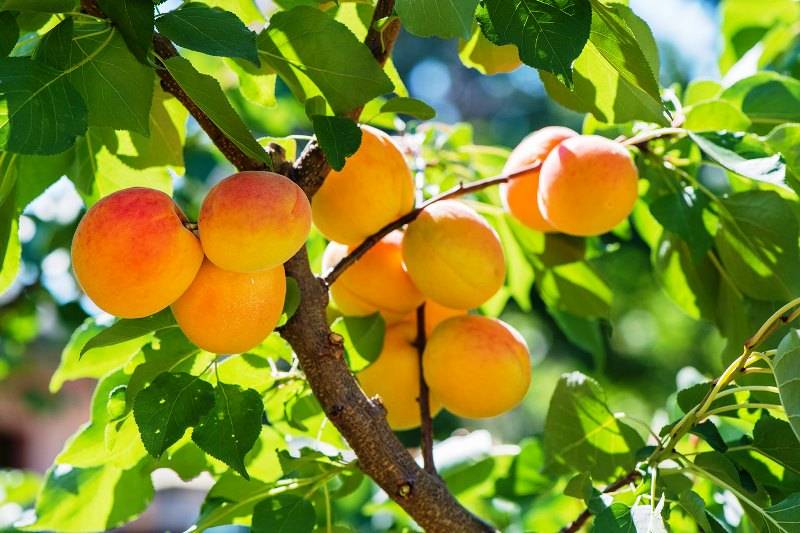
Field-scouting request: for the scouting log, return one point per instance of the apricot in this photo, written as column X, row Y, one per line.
column 394, row 377
column 434, row 314
column 488, row 58
column 253, row 221
column 230, row 312
column 453, row 255
column 519, row 196
column 376, row 282
column 132, row 254
column 478, row 367
column 587, row 185
column 374, row 187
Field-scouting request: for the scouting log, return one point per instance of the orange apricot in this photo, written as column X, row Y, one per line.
column 478, row 367
column 132, row 254
column 453, row 256
column 519, row 196
column 374, row 187
column 378, row 281
column 230, row 312
column 587, row 185
column 394, row 377
column 253, row 221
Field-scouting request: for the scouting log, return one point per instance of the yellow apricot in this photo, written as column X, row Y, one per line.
column 488, row 58
column 374, row 187
column 478, row 367
column 519, row 195
column 394, row 377
column 453, row 256
column 132, row 254
column 253, row 221
column 587, row 185
column 376, row 282
column 230, row 312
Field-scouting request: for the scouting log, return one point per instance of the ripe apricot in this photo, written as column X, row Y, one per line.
column 374, row 187
column 519, row 195
column 376, row 282
column 230, row 312
column 478, row 367
column 488, row 58
column 587, row 185
column 453, row 255
column 253, row 221
column 132, row 254
column 394, row 376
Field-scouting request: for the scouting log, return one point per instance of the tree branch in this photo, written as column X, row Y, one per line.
column 459, row 190
column 576, row 524
column 426, row 422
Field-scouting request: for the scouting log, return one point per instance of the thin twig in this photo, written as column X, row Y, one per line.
column 426, row 422
column 459, row 190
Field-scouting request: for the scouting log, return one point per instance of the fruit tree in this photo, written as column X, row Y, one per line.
column 321, row 329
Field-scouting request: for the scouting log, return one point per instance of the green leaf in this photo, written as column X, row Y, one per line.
column 10, row 247
column 549, row 34
column 210, row 30
column 44, row 6
column 577, row 289
column 709, row 432
column 787, row 375
column 525, row 477
column 305, row 43
column 767, row 98
column 757, row 244
column 409, row 106
column 743, row 26
column 687, row 276
column 126, row 329
column 116, row 88
column 206, row 92
column 608, row 83
column 135, row 19
column 284, row 513
column 694, row 505
column 363, row 338
column 786, row 513
column 582, row 434
column 437, row 18
column 292, row 300
column 97, row 362
column 230, row 429
column 700, row 91
column 616, row 518
column 9, row 32
column 716, row 115
column 45, row 112
column 338, row 137
column 785, row 139
column 169, row 406
column 682, row 214
column 692, row 396
column 776, row 439
column 770, row 169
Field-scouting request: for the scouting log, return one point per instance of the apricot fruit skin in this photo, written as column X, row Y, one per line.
column 132, row 255
column 478, row 367
column 378, row 281
column 519, row 195
column 453, row 256
column 394, row 377
column 228, row 312
column 587, row 185
column 253, row 221
column 374, row 188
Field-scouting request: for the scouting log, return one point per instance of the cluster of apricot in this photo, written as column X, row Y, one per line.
column 134, row 254
column 450, row 259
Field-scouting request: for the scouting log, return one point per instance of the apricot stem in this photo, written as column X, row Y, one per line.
column 426, row 427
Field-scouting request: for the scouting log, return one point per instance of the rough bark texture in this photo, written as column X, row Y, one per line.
column 361, row 421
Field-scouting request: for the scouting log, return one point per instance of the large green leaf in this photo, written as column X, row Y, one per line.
column 339, row 138
column 715, row 115
column 210, row 30
column 577, row 289
column 437, row 18
column 206, row 92
column 284, row 513
column 134, row 18
column 305, row 43
column 787, row 376
column 776, row 439
column 550, row 34
column 169, row 406
column 582, row 434
column 682, row 213
column 769, row 169
column 45, row 112
column 230, row 429
column 689, row 280
column 786, row 514
column 767, row 98
column 363, row 338
column 757, row 244
column 44, row 6
column 9, row 32
column 126, row 329
column 608, row 83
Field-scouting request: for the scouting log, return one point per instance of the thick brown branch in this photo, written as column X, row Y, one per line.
column 460, row 190
column 576, row 524
column 426, row 422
